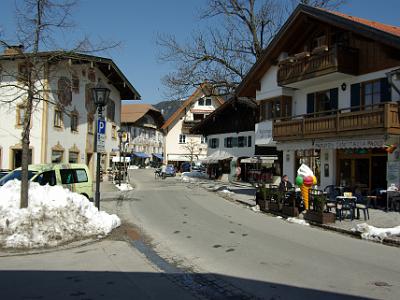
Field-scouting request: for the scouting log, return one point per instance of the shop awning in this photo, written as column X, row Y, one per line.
column 141, row 155
column 216, row 157
column 367, row 142
column 259, row 159
column 157, row 155
column 118, row 159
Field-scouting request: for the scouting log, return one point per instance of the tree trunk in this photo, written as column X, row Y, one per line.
column 25, row 152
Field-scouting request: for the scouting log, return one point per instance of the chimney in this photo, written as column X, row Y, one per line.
column 14, row 50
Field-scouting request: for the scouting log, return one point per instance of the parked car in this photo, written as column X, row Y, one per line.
column 170, row 171
column 4, row 172
column 185, row 167
column 75, row 177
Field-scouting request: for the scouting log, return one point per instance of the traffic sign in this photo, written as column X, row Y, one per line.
column 101, row 126
column 101, row 136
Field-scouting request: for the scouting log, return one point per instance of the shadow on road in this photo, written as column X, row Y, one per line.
column 127, row 285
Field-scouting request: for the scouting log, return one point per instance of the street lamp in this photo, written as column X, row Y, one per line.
column 100, row 99
column 120, row 132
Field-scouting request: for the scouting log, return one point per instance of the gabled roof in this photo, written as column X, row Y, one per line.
column 218, row 113
column 194, row 97
column 385, row 34
column 106, row 66
column 130, row 113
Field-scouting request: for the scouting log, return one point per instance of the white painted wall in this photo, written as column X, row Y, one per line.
column 10, row 134
column 236, row 151
column 174, row 151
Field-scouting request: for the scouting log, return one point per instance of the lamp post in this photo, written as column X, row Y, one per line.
column 100, row 99
column 120, row 155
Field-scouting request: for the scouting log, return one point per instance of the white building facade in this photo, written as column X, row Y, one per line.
column 180, row 145
column 63, row 121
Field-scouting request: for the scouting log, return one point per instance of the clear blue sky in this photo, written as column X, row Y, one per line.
column 136, row 25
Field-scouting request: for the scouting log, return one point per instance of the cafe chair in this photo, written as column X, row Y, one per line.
column 345, row 205
column 363, row 204
column 331, row 192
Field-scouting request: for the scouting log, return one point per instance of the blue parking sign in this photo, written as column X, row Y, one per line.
column 101, row 126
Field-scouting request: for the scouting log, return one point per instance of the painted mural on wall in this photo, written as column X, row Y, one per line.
column 64, row 91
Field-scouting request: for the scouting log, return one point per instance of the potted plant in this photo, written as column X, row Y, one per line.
column 276, row 203
column 289, row 205
column 264, row 195
column 317, row 213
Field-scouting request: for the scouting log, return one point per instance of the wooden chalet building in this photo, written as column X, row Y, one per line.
column 230, row 136
column 327, row 89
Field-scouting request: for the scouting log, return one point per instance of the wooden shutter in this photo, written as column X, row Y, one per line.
column 386, row 95
column 334, row 95
column 310, row 103
column 355, row 96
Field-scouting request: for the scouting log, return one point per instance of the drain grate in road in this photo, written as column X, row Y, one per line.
column 204, row 285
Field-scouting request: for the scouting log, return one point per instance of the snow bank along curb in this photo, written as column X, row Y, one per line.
column 369, row 232
column 54, row 216
column 124, row 187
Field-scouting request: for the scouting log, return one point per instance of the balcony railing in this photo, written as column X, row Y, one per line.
column 189, row 124
column 374, row 119
column 337, row 59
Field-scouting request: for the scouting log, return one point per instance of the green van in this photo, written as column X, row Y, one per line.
column 75, row 177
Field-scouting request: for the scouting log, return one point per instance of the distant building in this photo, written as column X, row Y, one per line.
column 145, row 139
column 63, row 126
column 180, row 145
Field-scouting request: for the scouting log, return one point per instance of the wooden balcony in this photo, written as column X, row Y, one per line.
column 337, row 59
column 376, row 119
column 187, row 125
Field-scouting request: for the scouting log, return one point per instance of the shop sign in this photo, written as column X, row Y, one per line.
column 263, row 133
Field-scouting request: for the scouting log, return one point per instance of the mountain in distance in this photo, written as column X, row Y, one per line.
column 167, row 108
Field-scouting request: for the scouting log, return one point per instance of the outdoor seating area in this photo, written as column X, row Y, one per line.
column 327, row 205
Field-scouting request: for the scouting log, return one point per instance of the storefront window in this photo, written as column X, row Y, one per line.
column 311, row 158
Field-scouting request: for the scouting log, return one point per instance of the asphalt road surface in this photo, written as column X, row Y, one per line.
column 263, row 256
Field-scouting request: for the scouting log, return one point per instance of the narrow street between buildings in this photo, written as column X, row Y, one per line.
column 261, row 255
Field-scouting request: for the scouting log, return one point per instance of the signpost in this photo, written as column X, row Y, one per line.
column 101, row 136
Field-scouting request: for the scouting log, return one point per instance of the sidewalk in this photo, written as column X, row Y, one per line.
column 244, row 193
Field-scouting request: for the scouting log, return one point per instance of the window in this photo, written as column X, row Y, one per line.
column 203, row 139
column 242, row 141
column 279, row 107
column 57, row 156
column 75, row 83
column 214, row 143
column 74, row 122
column 22, row 72
column 231, row 142
column 67, row 176
column 48, row 177
column 201, row 102
column 90, row 124
column 198, row 117
column 64, row 91
column 21, row 110
column 182, row 139
column 73, row 157
column 322, row 101
column 81, row 175
column 371, row 92
column 208, row 102
column 249, row 141
column 114, row 132
column 58, row 118
column 111, row 110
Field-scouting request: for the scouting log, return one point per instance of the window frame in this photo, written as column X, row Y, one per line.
column 201, row 102
column 20, row 108
column 182, row 138
column 208, row 102
column 58, row 118
column 268, row 107
column 62, row 156
column 74, row 122
column 373, row 94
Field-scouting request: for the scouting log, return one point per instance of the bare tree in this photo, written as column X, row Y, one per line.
column 223, row 54
column 192, row 148
column 37, row 23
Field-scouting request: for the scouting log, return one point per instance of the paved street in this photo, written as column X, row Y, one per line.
column 262, row 255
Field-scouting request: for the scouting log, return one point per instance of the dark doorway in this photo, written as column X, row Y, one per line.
column 17, row 158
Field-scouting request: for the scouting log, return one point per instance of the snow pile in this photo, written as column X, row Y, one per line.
column 133, row 167
column 369, row 232
column 297, row 221
column 195, row 174
column 226, row 191
column 255, row 208
column 124, row 187
column 279, row 217
column 55, row 215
